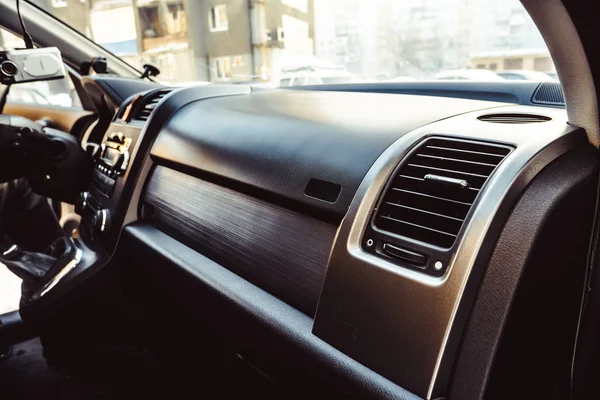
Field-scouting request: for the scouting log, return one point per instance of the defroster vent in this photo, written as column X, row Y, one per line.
column 434, row 189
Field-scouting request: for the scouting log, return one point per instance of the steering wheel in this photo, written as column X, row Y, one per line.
column 53, row 161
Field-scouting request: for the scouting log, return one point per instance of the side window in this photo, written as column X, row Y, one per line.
column 58, row 93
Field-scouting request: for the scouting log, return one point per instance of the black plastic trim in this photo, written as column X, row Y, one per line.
column 276, row 141
column 505, row 92
column 546, row 234
column 246, row 314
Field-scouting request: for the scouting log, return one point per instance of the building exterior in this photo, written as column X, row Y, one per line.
column 451, row 31
column 191, row 40
column 520, row 59
column 382, row 39
column 249, row 39
column 163, row 38
column 69, row 10
column 357, row 35
column 432, row 36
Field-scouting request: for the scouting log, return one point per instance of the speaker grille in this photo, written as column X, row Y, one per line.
column 549, row 93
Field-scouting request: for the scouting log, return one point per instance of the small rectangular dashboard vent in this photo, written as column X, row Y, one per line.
column 432, row 191
column 147, row 104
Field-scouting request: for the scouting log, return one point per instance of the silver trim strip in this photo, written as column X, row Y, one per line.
column 103, row 226
column 71, row 265
column 10, row 250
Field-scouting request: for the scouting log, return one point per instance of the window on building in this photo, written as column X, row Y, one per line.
column 238, row 62
column 222, row 68
column 160, row 27
column 176, row 19
column 493, row 66
column 59, row 3
column 480, row 66
column 218, row 18
column 513, row 63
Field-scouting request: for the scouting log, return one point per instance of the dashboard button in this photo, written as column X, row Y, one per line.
column 116, row 137
column 100, row 223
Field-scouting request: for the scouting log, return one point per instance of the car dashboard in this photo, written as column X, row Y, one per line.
column 385, row 242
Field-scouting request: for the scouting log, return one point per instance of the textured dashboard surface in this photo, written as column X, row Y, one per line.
column 280, row 250
column 277, row 141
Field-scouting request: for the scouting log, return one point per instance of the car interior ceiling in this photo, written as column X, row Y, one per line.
column 404, row 240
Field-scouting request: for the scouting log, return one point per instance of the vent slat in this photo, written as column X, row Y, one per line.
column 423, row 211
column 433, row 210
column 457, row 160
column 433, row 197
column 500, row 156
column 445, row 191
column 411, row 177
column 447, row 170
column 418, row 226
column 434, row 204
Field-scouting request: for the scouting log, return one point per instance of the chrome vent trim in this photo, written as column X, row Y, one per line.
column 433, row 190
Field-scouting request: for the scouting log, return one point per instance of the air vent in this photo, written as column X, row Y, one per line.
column 147, row 105
column 120, row 112
column 514, row 118
column 433, row 190
column 549, row 93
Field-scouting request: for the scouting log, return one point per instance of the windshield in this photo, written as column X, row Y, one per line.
column 315, row 42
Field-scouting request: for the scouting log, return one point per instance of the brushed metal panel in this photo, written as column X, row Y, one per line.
column 280, row 250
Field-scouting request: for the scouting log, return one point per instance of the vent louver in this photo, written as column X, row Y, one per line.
column 433, row 190
column 514, row 118
column 147, row 105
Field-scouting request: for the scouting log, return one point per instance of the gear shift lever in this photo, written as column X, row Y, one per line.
column 31, row 266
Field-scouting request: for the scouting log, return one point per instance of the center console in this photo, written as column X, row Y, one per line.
column 119, row 161
column 97, row 207
column 112, row 160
